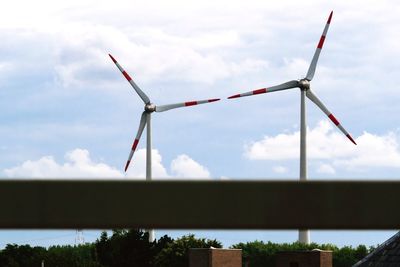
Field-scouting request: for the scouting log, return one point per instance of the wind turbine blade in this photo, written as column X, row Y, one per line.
column 135, row 143
column 283, row 86
column 141, row 94
column 318, row 102
column 314, row 61
column 184, row 104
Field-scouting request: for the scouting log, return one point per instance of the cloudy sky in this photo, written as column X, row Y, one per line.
column 66, row 111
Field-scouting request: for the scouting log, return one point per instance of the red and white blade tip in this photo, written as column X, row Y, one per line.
column 192, row 103
column 336, row 122
column 330, row 17
column 254, row 92
column 134, row 145
column 351, row 139
column 113, row 59
column 127, row 165
column 234, row 96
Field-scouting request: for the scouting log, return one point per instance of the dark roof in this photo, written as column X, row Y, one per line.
column 386, row 255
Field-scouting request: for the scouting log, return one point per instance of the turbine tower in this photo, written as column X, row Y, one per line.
column 305, row 91
column 145, row 119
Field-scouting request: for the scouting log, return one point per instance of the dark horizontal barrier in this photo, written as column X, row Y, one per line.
column 105, row 204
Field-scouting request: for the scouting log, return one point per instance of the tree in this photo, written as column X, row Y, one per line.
column 71, row 256
column 258, row 253
column 125, row 248
column 176, row 253
column 20, row 256
column 132, row 248
column 103, row 250
column 347, row 256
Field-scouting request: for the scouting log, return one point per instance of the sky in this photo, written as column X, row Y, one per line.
column 66, row 111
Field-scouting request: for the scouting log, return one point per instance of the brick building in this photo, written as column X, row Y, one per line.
column 215, row 257
column 313, row 258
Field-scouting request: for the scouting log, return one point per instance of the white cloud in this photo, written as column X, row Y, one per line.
column 78, row 164
column 200, row 43
column 294, row 67
column 280, row 169
column 184, row 166
column 280, row 147
column 76, row 55
column 137, row 168
column 326, row 169
column 148, row 54
column 326, row 143
column 374, row 151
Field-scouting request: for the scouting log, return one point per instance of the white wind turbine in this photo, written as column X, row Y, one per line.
column 146, row 120
column 304, row 85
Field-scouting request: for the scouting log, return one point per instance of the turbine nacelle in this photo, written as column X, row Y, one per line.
column 304, row 84
column 150, row 108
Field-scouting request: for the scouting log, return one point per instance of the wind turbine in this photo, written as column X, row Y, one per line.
column 304, row 85
column 146, row 120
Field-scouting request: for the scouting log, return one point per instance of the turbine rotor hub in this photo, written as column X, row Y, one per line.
column 304, row 84
column 150, row 108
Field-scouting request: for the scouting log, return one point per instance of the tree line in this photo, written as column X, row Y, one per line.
column 125, row 248
column 258, row 253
